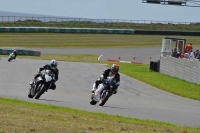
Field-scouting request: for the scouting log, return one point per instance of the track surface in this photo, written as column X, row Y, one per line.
column 126, row 54
column 134, row 98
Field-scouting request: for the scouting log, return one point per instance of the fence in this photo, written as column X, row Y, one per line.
column 58, row 19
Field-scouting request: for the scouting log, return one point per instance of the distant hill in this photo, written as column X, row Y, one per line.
column 5, row 13
column 15, row 16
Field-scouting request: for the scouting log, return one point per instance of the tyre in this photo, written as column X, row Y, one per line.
column 40, row 91
column 92, row 102
column 29, row 93
column 104, row 98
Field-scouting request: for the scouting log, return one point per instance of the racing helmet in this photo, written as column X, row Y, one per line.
column 114, row 69
column 53, row 64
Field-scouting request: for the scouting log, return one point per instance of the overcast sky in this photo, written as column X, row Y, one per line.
column 103, row 9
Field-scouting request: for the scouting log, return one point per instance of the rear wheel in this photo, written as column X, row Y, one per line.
column 40, row 91
column 92, row 102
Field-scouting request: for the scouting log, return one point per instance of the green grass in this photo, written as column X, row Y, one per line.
column 25, row 117
column 161, row 81
column 61, row 40
column 120, row 25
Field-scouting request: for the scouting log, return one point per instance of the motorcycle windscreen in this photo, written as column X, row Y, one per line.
column 11, row 55
column 48, row 78
column 49, row 72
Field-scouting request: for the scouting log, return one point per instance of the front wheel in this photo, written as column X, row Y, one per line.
column 9, row 59
column 92, row 102
column 40, row 91
column 104, row 98
column 29, row 93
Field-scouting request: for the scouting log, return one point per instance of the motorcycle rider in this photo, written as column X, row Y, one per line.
column 15, row 53
column 53, row 67
column 113, row 71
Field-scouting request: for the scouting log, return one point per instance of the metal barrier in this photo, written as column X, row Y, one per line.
column 95, row 31
column 66, row 30
column 20, row 52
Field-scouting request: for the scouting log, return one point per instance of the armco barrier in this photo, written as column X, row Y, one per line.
column 20, row 52
column 163, row 32
column 65, row 30
column 95, row 30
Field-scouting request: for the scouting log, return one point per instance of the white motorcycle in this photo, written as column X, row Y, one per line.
column 11, row 57
column 41, row 84
column 103, row 92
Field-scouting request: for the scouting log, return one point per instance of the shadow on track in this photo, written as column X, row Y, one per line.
column 49, row 100
column 116, row 107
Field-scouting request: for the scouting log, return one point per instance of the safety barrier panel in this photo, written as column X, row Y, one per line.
column 95, row 30
column 66, row 30
column 166, row 32
column 20, row 52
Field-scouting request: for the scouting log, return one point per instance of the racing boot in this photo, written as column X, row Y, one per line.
column 115, row 91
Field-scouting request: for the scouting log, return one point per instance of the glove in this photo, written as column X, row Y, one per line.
column 101, row 77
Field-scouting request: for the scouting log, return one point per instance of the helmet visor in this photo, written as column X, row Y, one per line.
column 53, row 65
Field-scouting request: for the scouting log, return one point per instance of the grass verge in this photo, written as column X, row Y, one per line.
column 25, row 117
column 65, row 40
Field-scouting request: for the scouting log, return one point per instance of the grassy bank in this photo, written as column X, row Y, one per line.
column 24, row 117
column 60, row 40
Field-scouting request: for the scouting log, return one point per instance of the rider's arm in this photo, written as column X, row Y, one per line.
column 56, row 75
column 42, row 68
column 106, row 73
column 117, row 80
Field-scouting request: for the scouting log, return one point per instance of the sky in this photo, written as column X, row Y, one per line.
column 104, row 9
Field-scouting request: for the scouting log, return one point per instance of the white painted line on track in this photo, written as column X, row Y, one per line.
column 100, row 57
column 125, row 61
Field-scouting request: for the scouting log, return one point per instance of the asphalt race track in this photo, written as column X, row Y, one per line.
column 142, row 55
column 126, row 54
column 134, row 98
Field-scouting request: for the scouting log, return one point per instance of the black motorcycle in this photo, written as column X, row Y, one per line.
column 41, row 84
column 103, row 92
